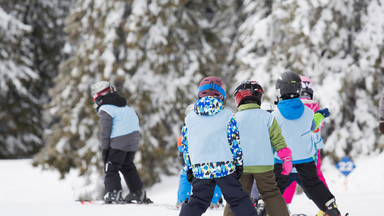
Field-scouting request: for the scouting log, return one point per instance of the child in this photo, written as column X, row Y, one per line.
column 260, row 137
column 307, row 98
column 120, row 140
column 296, row 122
column 212, row 152
column 184, row 190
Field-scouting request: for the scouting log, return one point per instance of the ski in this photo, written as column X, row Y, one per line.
column 299, row 215
column 101, row 202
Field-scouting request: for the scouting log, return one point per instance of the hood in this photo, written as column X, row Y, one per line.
column 208, row 106
column 291, row 108
column 113, row 99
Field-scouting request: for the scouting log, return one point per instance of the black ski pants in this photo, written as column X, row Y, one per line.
column 121, row 161
column 202, row 192
column 312, row 185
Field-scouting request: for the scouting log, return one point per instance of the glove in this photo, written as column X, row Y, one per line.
column 324, row 112
column 189, row 176
column 239, row 171
column 105, row 155
column 381, row 127
column 285, row 154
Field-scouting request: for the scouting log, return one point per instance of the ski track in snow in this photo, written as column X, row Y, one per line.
column 28, row 191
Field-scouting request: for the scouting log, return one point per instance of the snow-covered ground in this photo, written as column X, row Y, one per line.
column 28, row 191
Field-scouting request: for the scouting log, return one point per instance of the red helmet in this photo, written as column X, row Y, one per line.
column 212, row 86
column 248, row 92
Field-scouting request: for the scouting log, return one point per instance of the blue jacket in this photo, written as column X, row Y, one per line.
column 211, row 146
column 296, row 122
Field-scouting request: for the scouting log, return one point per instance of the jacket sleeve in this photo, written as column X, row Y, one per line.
column 277, row 139
column 184, row 144
column 105, row 129
column 234, row 141
column 381, row 108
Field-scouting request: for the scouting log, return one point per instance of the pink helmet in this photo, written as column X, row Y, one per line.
column 212, row 86
column 306, row 87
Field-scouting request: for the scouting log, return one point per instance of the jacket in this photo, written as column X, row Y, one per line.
column 211, row 146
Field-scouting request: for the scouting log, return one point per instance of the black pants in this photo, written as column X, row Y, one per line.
column 312, row 185
column 121, row 161
column 202, row 192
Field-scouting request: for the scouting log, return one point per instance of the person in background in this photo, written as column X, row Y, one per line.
column 297, row 121
column 212, row 152
column 184, row 190
column 260, row 137
column 381, row 113
column 119, row 132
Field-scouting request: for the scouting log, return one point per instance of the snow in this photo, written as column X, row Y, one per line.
column 29, row 191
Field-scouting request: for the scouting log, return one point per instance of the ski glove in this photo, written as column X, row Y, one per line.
column 324, row 112
column 239, row 171
column 189, row 176
column 285, row 154
column 105, row 155
column 381, row 127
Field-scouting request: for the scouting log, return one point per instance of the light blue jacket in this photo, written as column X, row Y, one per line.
column 296, row 122
column 119, row 128
column 210, row 140
column 255, row 141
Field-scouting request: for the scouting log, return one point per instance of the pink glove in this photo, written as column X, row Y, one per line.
column 285, row 154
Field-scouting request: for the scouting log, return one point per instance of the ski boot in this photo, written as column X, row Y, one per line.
column 331, row 208
column 113, row 197
column 138, row 197
column 260, row 208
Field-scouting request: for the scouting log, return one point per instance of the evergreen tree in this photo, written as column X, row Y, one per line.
column 338, row 44
column 31, row 44
column 155, row 53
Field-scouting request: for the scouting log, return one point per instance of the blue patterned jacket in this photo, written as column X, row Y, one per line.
column 210, row 140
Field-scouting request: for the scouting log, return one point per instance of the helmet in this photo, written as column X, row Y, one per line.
column 267, row 107
column 288, row 85
column 189, row 109
column 101, row 88
column 248, row 92
column 306, row 87
column 212, row 86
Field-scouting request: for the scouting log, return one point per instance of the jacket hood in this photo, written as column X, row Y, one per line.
column 291, row 108
column 113, row 99
column 208, row 106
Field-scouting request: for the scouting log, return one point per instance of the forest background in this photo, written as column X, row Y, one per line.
column 156, row 52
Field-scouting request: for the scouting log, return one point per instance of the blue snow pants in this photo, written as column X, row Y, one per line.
column 185, row 188
column 202, row 192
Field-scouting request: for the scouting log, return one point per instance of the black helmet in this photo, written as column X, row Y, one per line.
column 288, row 85
column 248, row 92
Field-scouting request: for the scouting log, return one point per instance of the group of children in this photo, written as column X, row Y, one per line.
column 231, row 151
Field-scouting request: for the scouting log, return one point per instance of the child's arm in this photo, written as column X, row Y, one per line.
column 184, row 144
column 318, row 118
column 234, row 141
column 277, row 139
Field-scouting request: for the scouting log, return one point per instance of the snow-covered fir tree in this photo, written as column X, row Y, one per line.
column 30, row 44
column 339, row 45
column 155, row 53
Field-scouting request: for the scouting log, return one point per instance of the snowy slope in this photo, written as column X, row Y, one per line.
column 28, row 191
